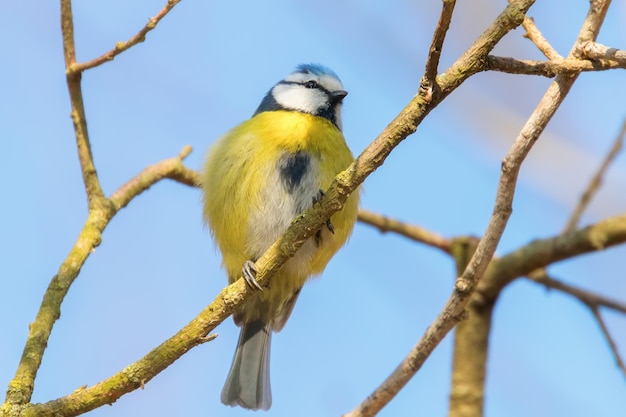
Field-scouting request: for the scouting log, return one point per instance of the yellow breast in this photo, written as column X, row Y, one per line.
column 248, row 207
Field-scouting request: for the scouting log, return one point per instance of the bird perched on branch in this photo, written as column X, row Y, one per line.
column 257, row 178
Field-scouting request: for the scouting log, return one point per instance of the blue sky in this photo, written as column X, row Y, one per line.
column 205, row 69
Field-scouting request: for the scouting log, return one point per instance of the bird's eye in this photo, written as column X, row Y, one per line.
column 311, row 84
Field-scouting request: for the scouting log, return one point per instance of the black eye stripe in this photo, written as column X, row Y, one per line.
column 308, row 84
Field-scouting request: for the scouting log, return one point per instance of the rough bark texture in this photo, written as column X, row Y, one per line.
column 471, row 339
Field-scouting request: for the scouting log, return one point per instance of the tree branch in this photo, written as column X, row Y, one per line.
column 124, row 46
column 594, row 50
column 172, row 168
column 141, row 372
column 95, row 196
column 596, row 180
column 21, row 387
column 434, row 53
column 593, row 302
column 588, row 298
column 549, row 68
column 535, row 35
column 487, row 292
column 470, row 337
column 469, row 63
column 387, row 224
column 607, row 335
column 463, row 404
column 541, row 253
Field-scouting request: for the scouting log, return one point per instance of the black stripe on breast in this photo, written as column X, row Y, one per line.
column 293, row 167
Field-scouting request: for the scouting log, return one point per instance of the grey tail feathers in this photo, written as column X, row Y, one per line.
column 248, row 382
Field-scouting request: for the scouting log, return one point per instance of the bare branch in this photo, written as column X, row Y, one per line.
column 434, row 53
column 593, row 301
column 549, row 68
column 538, row 120
column 124, row 46
column 95, row 196
column 497, row 278
column 141, row 372
column 477, row 266
column 609, row 339
column 301, row 229
column 591, row 25
column 543, row 252
column 418, row 234
column 596, row 180
column 588, row 298
column 488, row 291
column 172, row 168
column 102, row 210
column 454, row 311
column 594, row 50
column 21, row 387
column 535, row 35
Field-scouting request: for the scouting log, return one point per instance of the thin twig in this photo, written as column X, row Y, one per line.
column 171, row 168
column 593, row 301
column 124, row 46
column 549, row 68
column 534, row 34
column 95, row 196
column 596, row 180
column 434, row 53
column 612, row 345
column 588, row 298
column 418, row 234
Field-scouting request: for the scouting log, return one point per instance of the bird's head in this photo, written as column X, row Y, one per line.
column 311, row 88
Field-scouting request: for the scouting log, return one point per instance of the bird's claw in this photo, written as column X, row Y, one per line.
column 318, row 197
column 329, row 225
column 249, row 275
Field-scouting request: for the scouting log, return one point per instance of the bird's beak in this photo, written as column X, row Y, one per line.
column 337, row 96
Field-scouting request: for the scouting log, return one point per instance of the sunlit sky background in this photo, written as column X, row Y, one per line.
column 204, row 70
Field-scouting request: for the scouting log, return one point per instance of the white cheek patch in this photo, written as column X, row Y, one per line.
column 298, row 97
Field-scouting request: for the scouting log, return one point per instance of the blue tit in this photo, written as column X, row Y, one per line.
column 256, row 179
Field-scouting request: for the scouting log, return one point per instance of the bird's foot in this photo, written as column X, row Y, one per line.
column 249, row 275
column 329, row 224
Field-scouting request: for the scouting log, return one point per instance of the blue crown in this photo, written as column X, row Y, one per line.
column 316, row 69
